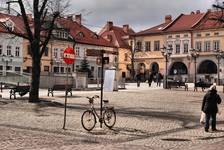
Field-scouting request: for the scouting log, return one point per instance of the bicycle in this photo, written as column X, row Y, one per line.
column 88, row 118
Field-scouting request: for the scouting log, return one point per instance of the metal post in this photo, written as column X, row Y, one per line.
column 101, row 97
column 218, row 82
column 195, row 70
column 66, row 87
column 166, row 71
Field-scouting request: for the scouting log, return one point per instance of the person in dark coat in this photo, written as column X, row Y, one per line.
column 150, row 78
column 138, row 78
column 158, row 78
column 210, row 108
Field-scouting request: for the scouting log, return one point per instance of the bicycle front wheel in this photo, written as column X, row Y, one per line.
column 88, row 120
column 109, row 118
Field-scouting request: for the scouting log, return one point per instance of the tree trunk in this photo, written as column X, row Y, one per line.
column 35, row 80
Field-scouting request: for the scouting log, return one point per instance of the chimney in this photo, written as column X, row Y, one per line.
column 198, row 12
column 109, row 25
column 78, row 19
column 29, row 17
column 126, row 28
column 168, row 18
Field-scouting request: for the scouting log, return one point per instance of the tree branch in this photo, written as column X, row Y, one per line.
column 51, row 28
column 25, row 21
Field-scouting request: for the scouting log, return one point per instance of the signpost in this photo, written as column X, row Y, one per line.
column 69, row 58
column 104, row 60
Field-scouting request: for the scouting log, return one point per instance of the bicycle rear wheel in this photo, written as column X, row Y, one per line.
column 88, row 120
column 109, row 117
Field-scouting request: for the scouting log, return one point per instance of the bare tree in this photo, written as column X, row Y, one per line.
column 38, row 33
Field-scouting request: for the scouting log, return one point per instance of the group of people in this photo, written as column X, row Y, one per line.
column 158, row 78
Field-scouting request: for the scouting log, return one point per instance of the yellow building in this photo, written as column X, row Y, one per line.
column 147, row 46
column 119, row 37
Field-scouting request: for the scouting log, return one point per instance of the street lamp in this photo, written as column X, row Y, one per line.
column 6, row 59
column 195, row 55
column 166, row 52
column 219, row 55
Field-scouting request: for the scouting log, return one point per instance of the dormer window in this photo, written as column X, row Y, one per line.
column 9, row 24
column 95, row 36
column 61, row 34
column 80, row 34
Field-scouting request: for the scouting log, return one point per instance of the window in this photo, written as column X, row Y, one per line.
column 46, row 51
column 170, row 36
column 77, row 51
column 0, row 49
column 185, row 47
column 156, row 45
column 17, row 51
column 9, row 50
column 61, row 34
column 198, row 46
column 62, row 53
column 62, row 69
column 29, row 50
column 207, row 34
column 56, row 69
column 216, row 33
column 69, row 70
column 80, row 35
column 147, row 46
column 198, row 35
column 126, row 57
column 177, row 48
column 185, row 35
column 17, row 69
column 46, row 68
column 207, row 46
column 139, row 45
column 1, row 67
column 55, row 53
column 177, row 36
column 216, row 45
column 8, row 67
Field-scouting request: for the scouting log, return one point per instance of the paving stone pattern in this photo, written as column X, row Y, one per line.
column 147, row 118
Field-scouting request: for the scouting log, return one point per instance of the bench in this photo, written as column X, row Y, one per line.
column 21, row 89
column 177, row 84
column 201, row 84
column 60, row 87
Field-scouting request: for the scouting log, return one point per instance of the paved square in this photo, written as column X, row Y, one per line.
column 147, row 118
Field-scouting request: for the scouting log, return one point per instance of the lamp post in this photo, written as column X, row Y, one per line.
column 219, row 55
column 195, row 55
column 166, row 52
column 6, row 59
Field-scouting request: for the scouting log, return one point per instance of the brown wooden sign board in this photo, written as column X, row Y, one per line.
column 97, row 53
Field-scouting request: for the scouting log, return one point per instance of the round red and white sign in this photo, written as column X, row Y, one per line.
column 69, row 56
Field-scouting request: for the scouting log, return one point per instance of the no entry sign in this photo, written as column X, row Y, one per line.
column 69, row 56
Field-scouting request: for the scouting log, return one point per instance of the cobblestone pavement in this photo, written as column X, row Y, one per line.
column 147, row 118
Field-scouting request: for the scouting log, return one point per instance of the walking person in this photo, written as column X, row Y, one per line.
column 158, row 78
column 138, row 78
column 210, row 108
column 150, row 78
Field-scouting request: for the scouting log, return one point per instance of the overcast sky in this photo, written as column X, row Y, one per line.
column 139, row 14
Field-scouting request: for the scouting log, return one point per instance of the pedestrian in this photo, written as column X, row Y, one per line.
column 210, row 108
column 158, row 79
column 138, row 78
column 150, row 78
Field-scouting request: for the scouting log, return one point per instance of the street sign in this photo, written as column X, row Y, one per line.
column 69, row 56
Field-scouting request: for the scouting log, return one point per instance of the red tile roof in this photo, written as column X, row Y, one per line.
column 154, row 30
column 184, row 22
column 210, row 22
column 17, row 20
column 89, row 37
column 118, row 35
